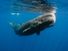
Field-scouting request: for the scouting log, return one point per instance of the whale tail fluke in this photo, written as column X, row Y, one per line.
column 15, row 26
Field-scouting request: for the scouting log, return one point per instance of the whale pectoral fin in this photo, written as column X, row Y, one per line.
column 38, row 33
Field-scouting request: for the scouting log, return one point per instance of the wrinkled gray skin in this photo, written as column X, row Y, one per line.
column 39, row 23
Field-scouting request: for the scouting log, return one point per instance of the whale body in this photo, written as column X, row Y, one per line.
column 38, row 24
column 35, row 25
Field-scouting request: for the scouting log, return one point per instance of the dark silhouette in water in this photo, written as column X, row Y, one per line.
column 38, row 24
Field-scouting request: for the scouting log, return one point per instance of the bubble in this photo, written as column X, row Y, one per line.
column 17, row 14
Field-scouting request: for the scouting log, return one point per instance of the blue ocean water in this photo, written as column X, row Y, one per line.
column 51, row 39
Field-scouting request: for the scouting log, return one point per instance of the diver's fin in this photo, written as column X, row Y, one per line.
column 38, row 33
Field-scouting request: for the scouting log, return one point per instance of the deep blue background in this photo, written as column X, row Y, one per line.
column 51, row 39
